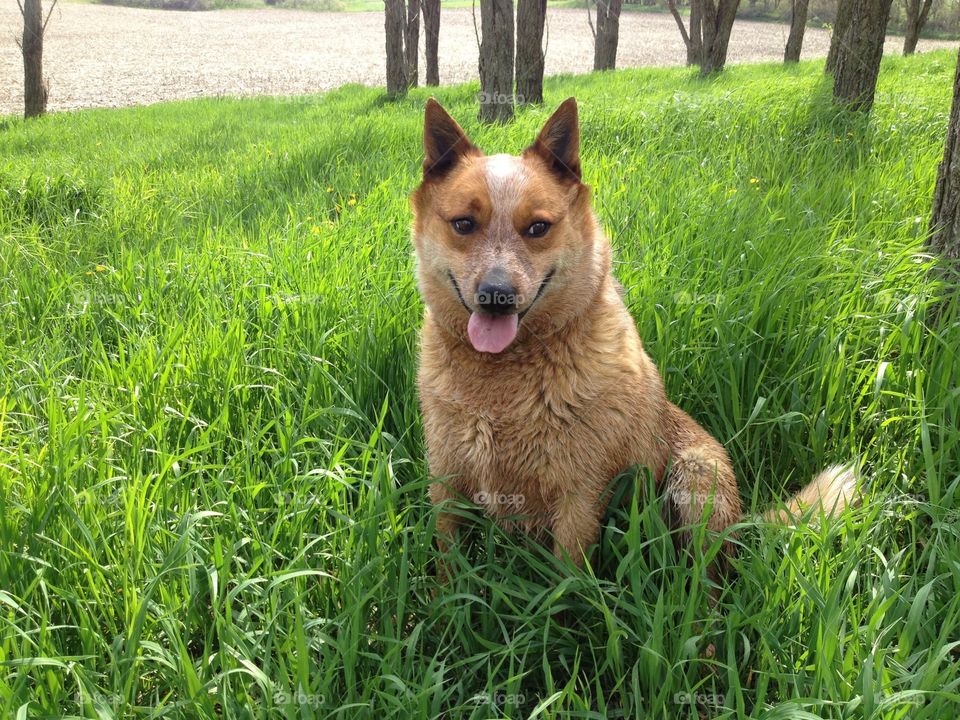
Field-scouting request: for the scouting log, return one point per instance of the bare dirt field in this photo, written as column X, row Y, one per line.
column 100, row 56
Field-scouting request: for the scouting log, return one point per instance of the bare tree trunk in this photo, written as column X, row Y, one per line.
column 496, row 60
column 798, row 23
column 717, row 22
column 531, row 16
column 431, row 39
column 608, row 34
column 944, row 238
column 695, row 48
column 411, row 42
column 34, row 87
column 840, row 26
column 395, row 27
column 917, row 12
column 858, row 58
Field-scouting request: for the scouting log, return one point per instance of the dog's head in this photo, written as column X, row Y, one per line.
column 505, row 244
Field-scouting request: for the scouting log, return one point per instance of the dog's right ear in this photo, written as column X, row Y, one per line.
column 444, row 142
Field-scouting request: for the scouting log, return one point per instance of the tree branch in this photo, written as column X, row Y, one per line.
column 476, row 30
column 546, row 36
column 43, row 30
column 672, row 5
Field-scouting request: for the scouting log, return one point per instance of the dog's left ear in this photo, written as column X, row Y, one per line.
column 558, row 143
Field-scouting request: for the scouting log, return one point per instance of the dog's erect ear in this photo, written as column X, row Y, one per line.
column 559, row 142
column 444, row 142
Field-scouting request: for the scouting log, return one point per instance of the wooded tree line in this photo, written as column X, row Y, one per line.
column 511, row 42
column 942, row 17
column 511, row 62
column 511, row 66
column 500, row 69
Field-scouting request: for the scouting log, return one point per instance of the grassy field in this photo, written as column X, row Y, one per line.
column 212, row 484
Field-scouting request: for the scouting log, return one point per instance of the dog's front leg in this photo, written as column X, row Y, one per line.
column 576, row 524
column 448, row 522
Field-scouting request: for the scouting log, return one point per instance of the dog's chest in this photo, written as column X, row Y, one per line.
column 531, row 433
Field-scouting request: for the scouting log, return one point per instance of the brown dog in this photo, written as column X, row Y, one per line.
column 535, row 388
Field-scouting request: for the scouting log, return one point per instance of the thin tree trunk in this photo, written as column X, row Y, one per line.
column 395, row 27
column 798, row 23
column 496, row 60
column 531, row 17
column 692, row 40
column 917, row 12
column 608, row 34
column 717, row 23
column 944, row 237
column 695, row 49
column 411, row 42
column 431, row 39
column 858, row 59
column 34, row 87
column 840, row 26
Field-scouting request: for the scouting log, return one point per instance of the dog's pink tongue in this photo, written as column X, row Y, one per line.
column 491, row 333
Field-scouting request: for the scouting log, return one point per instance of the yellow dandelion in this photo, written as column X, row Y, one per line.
column 329, row 189
column 315, row 230
column 100, row 268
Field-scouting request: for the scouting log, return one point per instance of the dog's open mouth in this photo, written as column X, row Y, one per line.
column 494, row 333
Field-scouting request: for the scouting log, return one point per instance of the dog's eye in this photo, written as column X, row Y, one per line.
column 538, row 229
column 463, row 226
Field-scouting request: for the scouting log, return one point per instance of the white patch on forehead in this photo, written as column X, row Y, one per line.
column 502, row 166
column 506, row 177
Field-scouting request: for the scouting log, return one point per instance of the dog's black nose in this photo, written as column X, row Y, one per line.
column 496, row 295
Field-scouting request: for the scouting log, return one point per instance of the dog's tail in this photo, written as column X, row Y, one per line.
column 829, row 494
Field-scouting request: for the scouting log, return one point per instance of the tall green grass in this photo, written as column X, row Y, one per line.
column 212, row 476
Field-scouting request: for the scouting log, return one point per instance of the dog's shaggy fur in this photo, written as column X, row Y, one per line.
column 536, row 431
